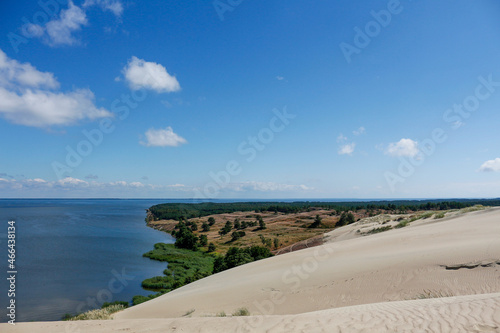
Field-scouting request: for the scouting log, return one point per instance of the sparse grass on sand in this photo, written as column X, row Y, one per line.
column 98, row 314
column 241, row 312
column 426, row 294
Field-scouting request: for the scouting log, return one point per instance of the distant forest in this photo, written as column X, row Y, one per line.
column 181, row 211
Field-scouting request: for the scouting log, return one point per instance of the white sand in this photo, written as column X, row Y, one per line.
column 351, row 284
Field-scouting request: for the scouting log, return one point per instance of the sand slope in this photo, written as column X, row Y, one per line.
column 351, row 284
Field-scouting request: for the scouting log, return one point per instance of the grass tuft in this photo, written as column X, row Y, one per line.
column 241, row 312
column 98, row 314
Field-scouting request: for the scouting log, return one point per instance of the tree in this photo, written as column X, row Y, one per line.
column 185, row 239
column 194, row 226
column 276, row 243
column 316, row 223
column 265, row 241
column 211, row 221
column 244, row 225
column 205, row 227
column 346, row 218
column 262, row 224
column 237, row 235
column 237, row 224
column 228, row 227
column 203, row 240
column 211, row 247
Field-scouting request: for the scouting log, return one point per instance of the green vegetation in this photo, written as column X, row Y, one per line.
column 426, row 215
column 189, row 312
column 439, row 215
column 377, row 230
column 240, row 256
column 241, row 312
column 316, row 223
column 184, row 266
column 106, row 304
column 262, row 224
column 177, row 211
column 237, row 235
column 345, row 219
column 98, row 314
column 211, row 247
column 402, row 224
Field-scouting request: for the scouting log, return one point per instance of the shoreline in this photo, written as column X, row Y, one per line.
column 376, row 282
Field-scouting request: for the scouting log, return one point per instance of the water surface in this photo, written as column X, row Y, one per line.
column 74, row 254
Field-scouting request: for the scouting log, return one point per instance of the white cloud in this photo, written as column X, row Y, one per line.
column 404, row 147
column 491, row 165
column 24, row 102
column 141, row 74
column 162, row 138
column 359, row 131
column 13, row 73
column 266, row 187
column 347, row 149
column 114, row 6
column 59, row 31
column 341, row 138
column 74, row 187
column 280, row 78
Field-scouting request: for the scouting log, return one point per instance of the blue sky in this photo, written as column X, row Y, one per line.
column 249, row 99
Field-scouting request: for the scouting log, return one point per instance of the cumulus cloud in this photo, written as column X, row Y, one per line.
column 141, row 74
column 491, row 165
column 29, row 97
column 114, row 6
column 13, row 73
column 347, row 149
column 404, row 147
column 59, row 31
column 162, row 138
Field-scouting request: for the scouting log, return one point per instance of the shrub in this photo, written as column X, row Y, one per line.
column 211, row 221
column 402, row 224
column 203, row 240
column 211, row 247
column 237, row 235
column 241, row 312
column 345, row 219
column 98, row 314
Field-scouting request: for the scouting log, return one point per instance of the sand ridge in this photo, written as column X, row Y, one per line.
column 350, row 284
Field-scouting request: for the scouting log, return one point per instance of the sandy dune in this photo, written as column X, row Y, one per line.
column 350, row 284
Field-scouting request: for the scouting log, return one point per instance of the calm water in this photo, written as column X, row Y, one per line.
column 74, row 254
